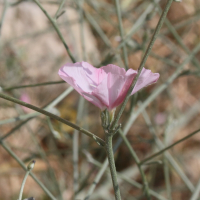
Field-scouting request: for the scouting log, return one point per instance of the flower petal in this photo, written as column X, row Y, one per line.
column 84, row 78
column 114, row 69
column 107, row 86
column 112, row 90
column 146, row 78
column 129, row 76
column 69, row 80
column 83, row 75
column 94, row 100
column 94, row 75
column 111, row 81
column 115, row 87
column 101, row 92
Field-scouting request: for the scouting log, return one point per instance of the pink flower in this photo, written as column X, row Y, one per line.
column 105, row 87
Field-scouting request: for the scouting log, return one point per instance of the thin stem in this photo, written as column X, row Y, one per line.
column 158, row 27
column 76, row 146
column 56, row 29
column 165, row 61
column 25, row 168
column 167, row 172
column 84, row 182
column 195, row 194
column 16, row 3
column 75, row 161
column 137, row 161
column 179, row 40
column 76, row 185
column 169, row 147
column 190, row 19
column 140, row 21
column 109, row 150
column 160, row 89
column 14, row 129
column 23, row 183
column 25, row 177
column 42, row 32
column 97, row 179
column 59, row 8
column 134, row 116
column 157, row 141
column 31, row 85
column 43, row 155
column 121, row 176
column 96, row 138
column 98, row 29
column 103, row 15
column 172, row 161
column 6, row 4
column 159, row 145
column 59, row 98
column 60, row 14
column 117, row 4
column 143, row 61
column 80, row 9
column 48, row 107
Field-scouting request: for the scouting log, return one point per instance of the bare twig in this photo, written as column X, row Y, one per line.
column 117, row 4
column 24, row 167
column 96, row 138
column 56, row 29
column 137, row 161
column 32, row 85
column 153, row 39
column 5, row 7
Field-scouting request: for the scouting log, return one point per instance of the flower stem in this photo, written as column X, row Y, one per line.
column 29, row 168
column 109, row 150
column 22, row 186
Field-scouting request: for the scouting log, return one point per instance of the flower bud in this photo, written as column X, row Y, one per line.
column 31, row 165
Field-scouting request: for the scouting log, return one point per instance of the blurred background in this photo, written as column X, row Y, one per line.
column 31, row 53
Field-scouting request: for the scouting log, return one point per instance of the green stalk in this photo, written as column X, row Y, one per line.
column 29, row 168
column 88, row 133
column 122, row 177
column 137, row 161
column 117, row 5
column 59, row 9
column 23, row 183
column 169, row 147
column 4, row 145
column 5, row 7
column 109, row 150
column 53, row 21
column 153, row 39
column 31, row 85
